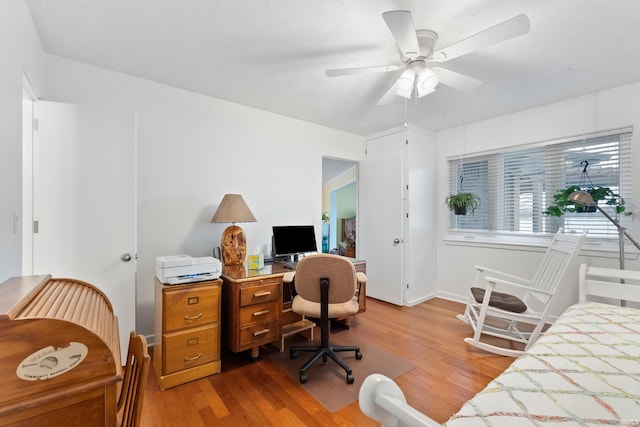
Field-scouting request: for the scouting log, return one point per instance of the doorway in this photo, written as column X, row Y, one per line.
column 339, row 203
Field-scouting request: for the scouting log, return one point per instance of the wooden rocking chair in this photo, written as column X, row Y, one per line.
column 500, row 304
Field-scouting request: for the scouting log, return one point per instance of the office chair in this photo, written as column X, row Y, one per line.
column 325, row 285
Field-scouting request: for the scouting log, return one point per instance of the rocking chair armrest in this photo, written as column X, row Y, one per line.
column 493, row 281
column 493, row 271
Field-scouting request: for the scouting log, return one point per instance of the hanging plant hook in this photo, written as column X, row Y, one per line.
column 584, row 179
column 586, row 165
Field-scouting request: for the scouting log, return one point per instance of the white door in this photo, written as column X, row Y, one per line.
column 84, row 201
column 381, row 217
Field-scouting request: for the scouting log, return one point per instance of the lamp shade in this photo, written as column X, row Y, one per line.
column 427, row 82
column 233, row 209
column 404, row 86
column 582, row 198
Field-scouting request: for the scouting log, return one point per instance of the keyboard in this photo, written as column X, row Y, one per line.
column 291, row 265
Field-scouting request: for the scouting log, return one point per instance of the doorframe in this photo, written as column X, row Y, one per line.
column 29, row 97
column 331, row 194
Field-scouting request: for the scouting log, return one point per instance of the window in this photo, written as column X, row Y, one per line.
column 516, row 186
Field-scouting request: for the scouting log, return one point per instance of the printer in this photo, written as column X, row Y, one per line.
column 178, row 269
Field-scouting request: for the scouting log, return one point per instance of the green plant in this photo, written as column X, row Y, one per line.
column 325, row 217
column 467, row 202
column 562, row 204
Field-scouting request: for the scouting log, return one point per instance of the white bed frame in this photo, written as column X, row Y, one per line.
column 382, row 399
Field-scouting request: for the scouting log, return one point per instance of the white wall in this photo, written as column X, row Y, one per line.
column 20, row 54
column 610, row 109
column 193, row 149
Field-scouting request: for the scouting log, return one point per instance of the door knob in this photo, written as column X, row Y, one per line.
column 125, row 257
column 396, row 241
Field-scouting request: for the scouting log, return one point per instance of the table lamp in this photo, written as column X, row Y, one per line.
column 233, row 209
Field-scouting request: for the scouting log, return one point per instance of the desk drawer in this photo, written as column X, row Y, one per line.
column 191, row 348
column 191, row 307
column 260, row 333
column 263, row 291
column 258, row 313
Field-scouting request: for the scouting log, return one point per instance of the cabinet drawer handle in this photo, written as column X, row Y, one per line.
column 191, row 359
column 262, row 294
column 260, row 313
column 262, row 332
column 196, row 317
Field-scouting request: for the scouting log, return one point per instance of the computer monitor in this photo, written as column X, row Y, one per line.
column 291, row 240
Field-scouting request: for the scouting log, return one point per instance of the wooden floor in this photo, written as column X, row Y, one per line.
column 448, row 372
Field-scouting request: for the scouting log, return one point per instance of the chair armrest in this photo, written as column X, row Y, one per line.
column 288, row 277
column 493, row 281
column 362, row 278
column 492, row 271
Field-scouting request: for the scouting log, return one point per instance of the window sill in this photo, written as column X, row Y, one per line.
column 593, row 247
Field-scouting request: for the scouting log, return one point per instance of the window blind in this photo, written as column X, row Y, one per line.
column 516, row 186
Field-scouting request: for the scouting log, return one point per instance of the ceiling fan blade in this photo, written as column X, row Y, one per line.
column 389, row 95
column 456, row 80
column 513, row 27
column 361, row 70
column 400, row 23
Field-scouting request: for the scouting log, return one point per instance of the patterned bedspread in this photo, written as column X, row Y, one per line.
column 584, row 371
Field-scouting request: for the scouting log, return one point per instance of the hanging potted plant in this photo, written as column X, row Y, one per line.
column 462, row 203
column 562, row 204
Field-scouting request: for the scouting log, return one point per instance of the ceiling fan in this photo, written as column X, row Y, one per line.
column 417, row 51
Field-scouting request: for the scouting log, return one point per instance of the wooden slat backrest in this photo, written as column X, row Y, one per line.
column 561, row 253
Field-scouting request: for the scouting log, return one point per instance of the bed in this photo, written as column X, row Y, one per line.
column 585, row 369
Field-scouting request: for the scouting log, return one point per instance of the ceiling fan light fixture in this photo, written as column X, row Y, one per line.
column 427, row 81
column 404, row 85
column 417, row 49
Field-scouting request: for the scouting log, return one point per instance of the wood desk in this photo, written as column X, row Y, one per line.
column 346, row 249
column 253, row 311
column 251, row 306
column 60, row 366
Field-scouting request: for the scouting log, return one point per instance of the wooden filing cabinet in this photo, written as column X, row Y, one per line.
column 252, row 306
column 186, row 331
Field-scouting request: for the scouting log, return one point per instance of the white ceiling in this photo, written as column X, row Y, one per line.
column 271, row 54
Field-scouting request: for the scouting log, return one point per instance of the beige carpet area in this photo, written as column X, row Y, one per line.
column 327, row 382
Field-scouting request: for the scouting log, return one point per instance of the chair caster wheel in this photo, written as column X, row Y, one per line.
column 293, row 354
column 358, row 355
column 350, row 379
column 303, row 378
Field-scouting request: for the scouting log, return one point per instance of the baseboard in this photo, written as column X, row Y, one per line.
column 419, row 300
